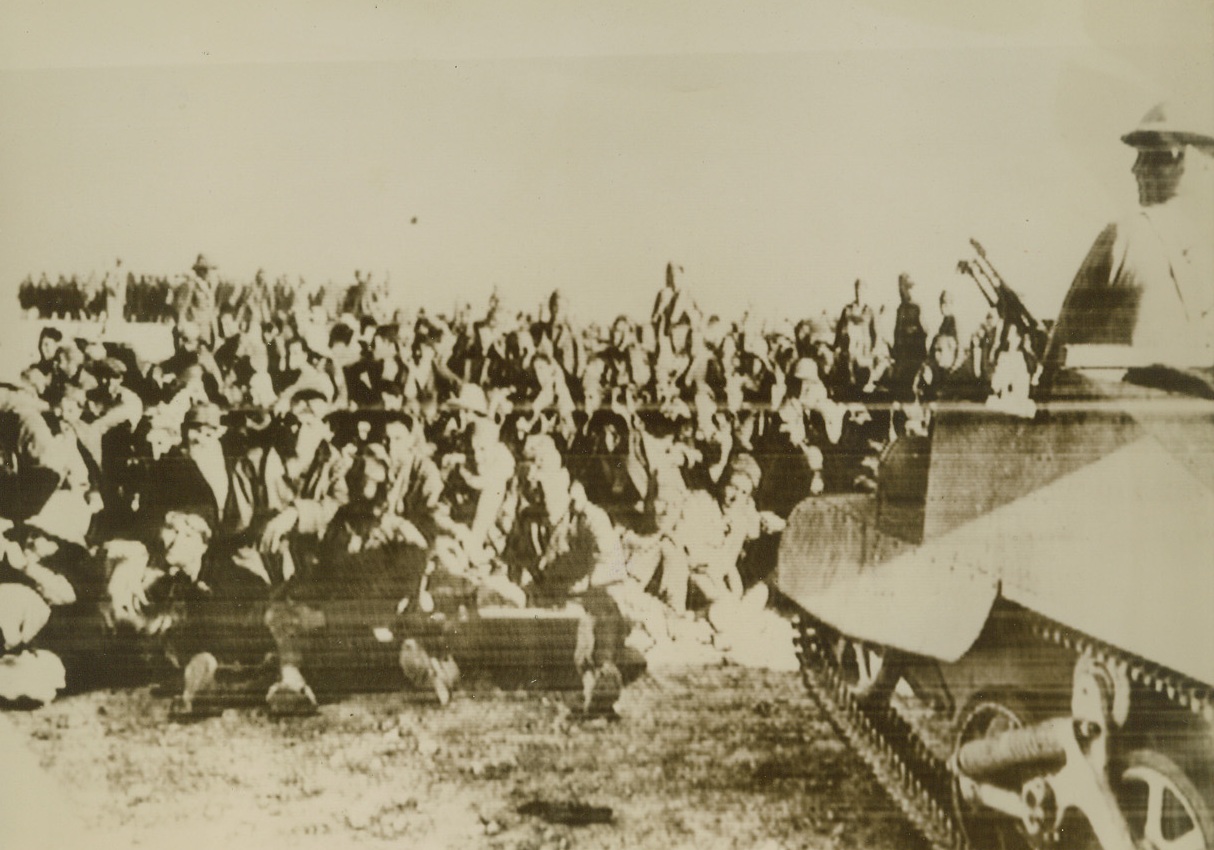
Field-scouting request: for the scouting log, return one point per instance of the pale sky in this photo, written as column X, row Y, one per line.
column 776, row 150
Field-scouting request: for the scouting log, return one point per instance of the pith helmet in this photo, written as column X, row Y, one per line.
column 1170, row 123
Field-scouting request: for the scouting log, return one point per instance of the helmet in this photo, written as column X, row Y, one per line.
column 1170, row 123
column 745, row 465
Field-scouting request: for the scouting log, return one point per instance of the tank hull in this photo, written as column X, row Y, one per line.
column 1044, row 580
column 1109, row 534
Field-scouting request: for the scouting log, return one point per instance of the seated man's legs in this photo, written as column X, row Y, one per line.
column 600, row 639
column 293, row 625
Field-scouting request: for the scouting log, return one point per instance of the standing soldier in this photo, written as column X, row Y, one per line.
column 559, row 336
column 856, row 339
column 1148, row 280
column 114, row 293
column 910, row 341
column 194, row 298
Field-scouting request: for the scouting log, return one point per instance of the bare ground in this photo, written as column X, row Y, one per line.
column 706, row 756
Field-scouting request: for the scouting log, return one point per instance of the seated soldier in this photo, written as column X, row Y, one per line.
column 48, row 583
column 198, row 606
column 300, row 476
column 415, row 484
column 807, row 427
column 565, row 550
column 700, row 541
column 477, row 489
column 371, row 567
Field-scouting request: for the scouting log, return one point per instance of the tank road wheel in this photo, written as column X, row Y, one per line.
column 1164, row 809
column 868, row 670
column 985, row 829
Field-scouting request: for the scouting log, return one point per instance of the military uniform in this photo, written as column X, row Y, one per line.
column 1148, row 280
column 579, row 558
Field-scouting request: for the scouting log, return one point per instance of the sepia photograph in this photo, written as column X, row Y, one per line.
column 542, row 426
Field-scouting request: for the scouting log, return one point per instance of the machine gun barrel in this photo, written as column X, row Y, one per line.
column 984, row 262
column 1008, row 297
column 1007, row 300
column 985, row 284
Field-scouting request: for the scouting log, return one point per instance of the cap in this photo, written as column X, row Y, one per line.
column 371, row 466
column 110, row 367
column 806, row 369
column 188, row 522
column 203, row 413
column 747, row 466
column 471, row 398
column 188, row 330
column 540, row 449
column 674, row 410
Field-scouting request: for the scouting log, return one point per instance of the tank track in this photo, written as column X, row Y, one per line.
column 916, row 779
column 1179, row 690
column 910, row 761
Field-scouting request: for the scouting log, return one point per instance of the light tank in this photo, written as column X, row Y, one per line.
column 1016, row 630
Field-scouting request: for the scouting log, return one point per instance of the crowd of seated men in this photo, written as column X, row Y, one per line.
column 295, row 464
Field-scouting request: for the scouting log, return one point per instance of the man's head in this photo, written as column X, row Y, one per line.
column 1158, row 170
column 187, row 337
column 546, row 372
column 400, row 439
column 68, row 361
column 368, row 479
column 544, row 477
column 307, row 412
column 944, row 351
column 556, row 306
column 63, row 520
column 202, row 266
column 383, row 343
column 906, row 287
column 674, row 275
column 859, row 289
column 341, row 342
column 110, row 373
column 68, row 406
column 35, row 380
column 1171, row 141
column 296, row 356
column 805, row 381
column 621, row 330
column 405, row 336
column 184, row 538
column 483, row 435
column 48, row 343
column 741, row 482
column 161, row 437
column 469, row 404
column 202, row 428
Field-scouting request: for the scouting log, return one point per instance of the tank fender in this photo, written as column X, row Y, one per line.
column 927, row 600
